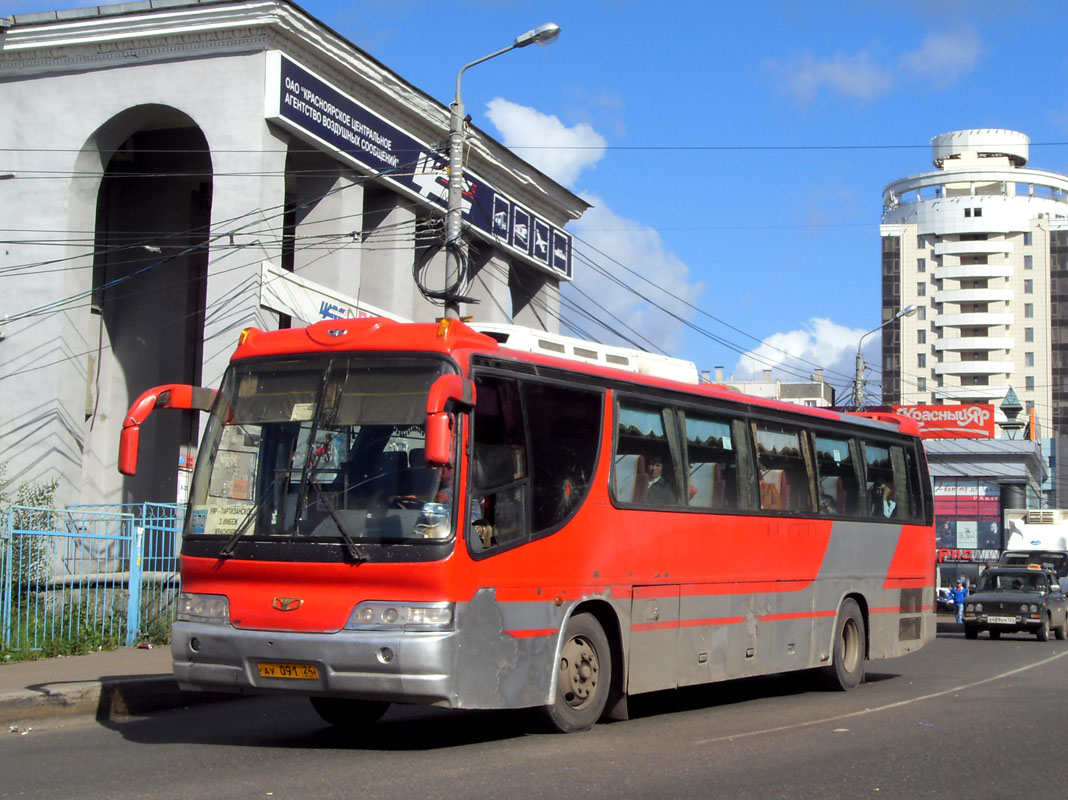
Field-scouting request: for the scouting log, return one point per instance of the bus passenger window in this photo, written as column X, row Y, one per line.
column 644, row 467
column 883, row 493
column 912, row 483
column 836, row 475
column 783, row 469
column 712, row 460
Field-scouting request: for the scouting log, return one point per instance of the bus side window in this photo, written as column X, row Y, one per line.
column 646, row 464
column 837, row 483
column 782, row 462
column 712, row 459
column 883, row 492
column 907, row 488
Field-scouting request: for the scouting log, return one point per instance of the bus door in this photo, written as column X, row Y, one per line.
column 654, row 635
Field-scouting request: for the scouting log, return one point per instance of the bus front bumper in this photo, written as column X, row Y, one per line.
column 394, row 666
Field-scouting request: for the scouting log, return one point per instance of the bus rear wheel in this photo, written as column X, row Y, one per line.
column 848, row 651
column 583, row 677
column 349, row 714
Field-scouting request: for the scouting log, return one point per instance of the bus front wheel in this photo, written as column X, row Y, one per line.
column 848, row 651
column 583, row 677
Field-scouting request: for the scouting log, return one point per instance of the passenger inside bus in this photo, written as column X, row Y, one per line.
column 661, row 491
column 883, row 502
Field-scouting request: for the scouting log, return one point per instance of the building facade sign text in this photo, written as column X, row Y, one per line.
column 973, row 421
column 331, row 120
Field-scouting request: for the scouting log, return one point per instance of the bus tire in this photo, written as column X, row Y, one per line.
column 350, row 714
column 583, row 678
column 848, row 649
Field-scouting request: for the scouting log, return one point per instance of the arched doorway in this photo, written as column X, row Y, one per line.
column 153, row 215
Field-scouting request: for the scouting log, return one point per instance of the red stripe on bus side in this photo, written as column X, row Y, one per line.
column 654, row 626
column 686, row 623
column 531, row 633
column 796, row 615
column 694, row 623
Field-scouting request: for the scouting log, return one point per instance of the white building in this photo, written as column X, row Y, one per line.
column 816, row 393
column 174, row 171
column 980, row 246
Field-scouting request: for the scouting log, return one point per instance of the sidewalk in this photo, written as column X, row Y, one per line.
column 103, row 685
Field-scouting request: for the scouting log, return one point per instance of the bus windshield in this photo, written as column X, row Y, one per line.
column 321, row 450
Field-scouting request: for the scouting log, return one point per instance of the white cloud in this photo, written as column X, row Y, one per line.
column 850, row 75
column 561, row 152
column 943, row 58
column 794, row 355
column 609, row 241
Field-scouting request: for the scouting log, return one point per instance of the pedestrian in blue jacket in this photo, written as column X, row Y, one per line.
column 957, row 594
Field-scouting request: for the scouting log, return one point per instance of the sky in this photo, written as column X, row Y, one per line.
column 734, row 153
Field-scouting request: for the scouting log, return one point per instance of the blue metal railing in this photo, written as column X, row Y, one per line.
column 88, row 574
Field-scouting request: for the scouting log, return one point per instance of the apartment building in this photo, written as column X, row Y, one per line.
column 979, row 244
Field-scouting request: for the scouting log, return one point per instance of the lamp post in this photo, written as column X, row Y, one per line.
column 858, row 380
column 454, row 253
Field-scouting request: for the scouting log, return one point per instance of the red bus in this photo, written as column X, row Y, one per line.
column 386, row 512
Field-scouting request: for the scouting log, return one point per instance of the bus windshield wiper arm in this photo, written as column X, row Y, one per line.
column 350, row 545
column 231, row 543
column 251, row 514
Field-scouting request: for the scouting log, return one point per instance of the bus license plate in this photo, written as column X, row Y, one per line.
column 1002, row 620
column 273, row 669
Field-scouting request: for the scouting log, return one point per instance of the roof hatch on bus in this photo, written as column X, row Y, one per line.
column 553, row 344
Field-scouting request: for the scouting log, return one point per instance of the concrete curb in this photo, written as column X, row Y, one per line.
column 100, row 700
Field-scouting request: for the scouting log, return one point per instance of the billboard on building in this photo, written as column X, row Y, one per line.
column 971, row 421
column 967, row 527
column 322, row 114
column 967, row 514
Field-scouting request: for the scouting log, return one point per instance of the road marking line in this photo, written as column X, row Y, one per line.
column 962, row 687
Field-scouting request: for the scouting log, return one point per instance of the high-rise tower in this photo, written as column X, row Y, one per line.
column 980, row 246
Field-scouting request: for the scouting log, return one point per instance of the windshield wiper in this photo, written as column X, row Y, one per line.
column 231, row 543
column 350, row 545
column 250, row 515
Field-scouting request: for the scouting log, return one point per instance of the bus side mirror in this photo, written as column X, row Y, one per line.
column 448, row 394
column 129, row 440
column 171, row 395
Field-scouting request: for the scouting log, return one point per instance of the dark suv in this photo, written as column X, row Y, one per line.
column 1015, row 599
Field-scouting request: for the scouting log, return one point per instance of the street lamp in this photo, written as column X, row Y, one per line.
column 542, row 35
column 858, row 381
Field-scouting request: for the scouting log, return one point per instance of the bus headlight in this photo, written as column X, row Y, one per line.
column 213, row 609
column 379, row 616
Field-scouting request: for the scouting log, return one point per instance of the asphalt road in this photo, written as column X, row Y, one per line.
column 980, row 719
